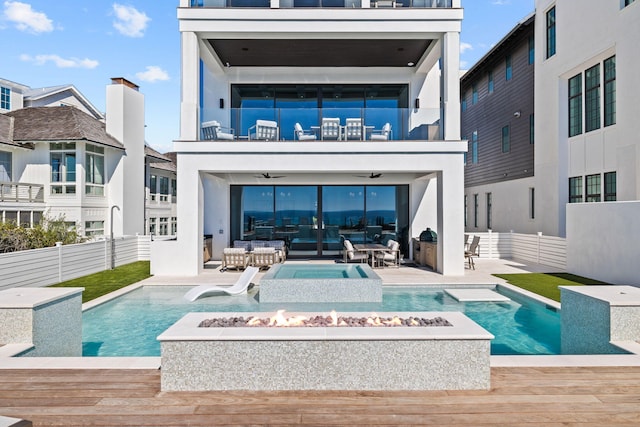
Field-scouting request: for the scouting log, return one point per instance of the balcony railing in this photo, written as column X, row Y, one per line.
column 326, row 124
column 286, row 4
column 21, row 192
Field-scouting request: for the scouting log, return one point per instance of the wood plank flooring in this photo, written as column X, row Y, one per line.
column 547, row 397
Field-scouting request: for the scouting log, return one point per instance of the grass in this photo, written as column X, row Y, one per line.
column 546, row 284
column 99, row 284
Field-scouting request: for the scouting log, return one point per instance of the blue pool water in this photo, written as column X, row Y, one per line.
column 303, row 271
column 129, row 325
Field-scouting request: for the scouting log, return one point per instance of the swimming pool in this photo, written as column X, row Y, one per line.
column 129, row 325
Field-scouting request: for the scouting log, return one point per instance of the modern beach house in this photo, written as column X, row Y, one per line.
column 318, row 121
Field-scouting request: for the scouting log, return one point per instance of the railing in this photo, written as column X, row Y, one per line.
column 326, row 124
column 21, row 192
column 284, row 4
column 159, row 198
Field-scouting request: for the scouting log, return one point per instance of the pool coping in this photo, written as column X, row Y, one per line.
column 153, row 362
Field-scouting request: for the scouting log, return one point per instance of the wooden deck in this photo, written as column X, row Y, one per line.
column 519, row 397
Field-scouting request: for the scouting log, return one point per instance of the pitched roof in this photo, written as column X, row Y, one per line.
column 34, row 94
column 51, row 124
column 154, row 155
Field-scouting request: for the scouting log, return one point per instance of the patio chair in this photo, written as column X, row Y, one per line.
column 240, row 287
column 473, row 251
column 353, row 129
column 383, row 134
column 212, row 130
column 330, row 128
column 350, row 254
column 303, row 135
column 264, row 130
column 237, row 258
column 391, row 256
column 280, row 247
column 263, row 257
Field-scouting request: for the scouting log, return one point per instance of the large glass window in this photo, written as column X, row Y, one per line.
column 610, row 187
column 592, row 98
column 94, row 170
column 551, row 32
column 575, row 105
column 610, row 91
column 5, row 98
column 593, row 188
column 5, row 166
column 63, row 167
column 575, row 189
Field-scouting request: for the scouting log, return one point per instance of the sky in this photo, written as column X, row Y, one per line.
column 86, row 43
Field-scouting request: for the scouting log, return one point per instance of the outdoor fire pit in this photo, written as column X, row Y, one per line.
column 213, row 351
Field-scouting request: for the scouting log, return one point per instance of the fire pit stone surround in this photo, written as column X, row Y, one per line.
column 326, row 358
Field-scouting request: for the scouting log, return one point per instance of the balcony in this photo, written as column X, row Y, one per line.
column 326, row 124
column 21, row 192
column 287, row 4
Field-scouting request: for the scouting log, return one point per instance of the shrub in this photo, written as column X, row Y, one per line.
column 49, row 231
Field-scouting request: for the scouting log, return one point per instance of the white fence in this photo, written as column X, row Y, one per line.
column 44, row 267
column 531, row 248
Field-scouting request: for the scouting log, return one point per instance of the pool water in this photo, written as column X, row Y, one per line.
column 129, row 325
column 337, row 271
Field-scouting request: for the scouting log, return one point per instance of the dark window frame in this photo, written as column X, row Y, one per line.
column 592, row 98
column 610, row 91
column 575, row 105
column 551, row 32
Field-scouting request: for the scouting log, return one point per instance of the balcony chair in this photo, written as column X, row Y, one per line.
column 213, row 131
column 264, row 130
column 303, row 135
column 236, row 258
column 353, row 129
column 350, row 254
column 264, row 257
column 391, row 256
column 330, row 128
column 383, row 134
column 473, row 251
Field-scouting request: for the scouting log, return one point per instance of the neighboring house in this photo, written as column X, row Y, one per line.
column 497, row 104
column 61, row 161
column 161, row 187
column 312, row 122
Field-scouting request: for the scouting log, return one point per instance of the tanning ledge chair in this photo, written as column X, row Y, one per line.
column 264, row 130
column 383, row 134
column 473, row 251
column 212, row 130
column 353, row 129
column 303, row 135
column 330, row 128
column 240, row 287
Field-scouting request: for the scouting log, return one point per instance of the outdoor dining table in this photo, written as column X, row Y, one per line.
column 371, row 249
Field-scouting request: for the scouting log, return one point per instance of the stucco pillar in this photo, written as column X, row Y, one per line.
column 190, row 218
column 190, row 102
column 451, row 219
column 451, row 85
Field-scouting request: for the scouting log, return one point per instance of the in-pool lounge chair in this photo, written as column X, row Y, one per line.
column 240, row 287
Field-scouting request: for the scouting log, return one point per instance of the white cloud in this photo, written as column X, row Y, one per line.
column 465, row 47
column 27, row 19
column 129, row 21
column 61, row 62
column 153, row 74
column 501, row 2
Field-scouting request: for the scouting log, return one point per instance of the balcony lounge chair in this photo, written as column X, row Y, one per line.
column 236, row 258
column 383, row 134
column 330, row 128
column 473, row 251
column 213, row 131
column 391, row 256
column 303, row 135
column 350, row 254
column 353, row 129
column 240, row 287
column 264, row 130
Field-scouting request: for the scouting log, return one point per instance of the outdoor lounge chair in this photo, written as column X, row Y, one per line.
column 353, row 129
column 330, row 128
column 303, row 135
column 212, row 130
column 383, row 134
column 237, row 258
column 391, row 256
column 473, row 251
column 240, row 287
column 350, row 254
column 264, row 130
column 264, row 257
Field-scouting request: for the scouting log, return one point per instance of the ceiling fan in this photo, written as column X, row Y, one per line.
column 372, row 176
column 268, row 176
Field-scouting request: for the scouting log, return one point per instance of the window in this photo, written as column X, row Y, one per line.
column 174, row 225
column 575, row 189
column 610, row 91
column 464, row 155
column 474, row 147
column 506, row 140
column 5, row 98
column 63, row 167
column 592, row 98
column 593, row 188
column 5, row 166
column 463, row 102
column 532, row 203
column 610, row 187
column 551, row 32
column 489, row 211
column 532, row 129
column 163, row 229
column 628, row 2
column 575, row 105
column 174, row 187
column 164, row 189
column 508, row 68
column 152, row 226
column 94, row 170
column 475, row 210
column 465, row 210
column 532, row 50
column 94, row 228
column 153, row 184
column 490, row 82
column 474, row 94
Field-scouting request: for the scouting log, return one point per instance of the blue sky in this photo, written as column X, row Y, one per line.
column 85, row 43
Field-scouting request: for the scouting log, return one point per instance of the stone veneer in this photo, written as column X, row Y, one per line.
column 326, row 358
column 593, row 316
column 48, row 318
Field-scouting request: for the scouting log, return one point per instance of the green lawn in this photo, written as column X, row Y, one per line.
column 546, row 284
column 96, row 285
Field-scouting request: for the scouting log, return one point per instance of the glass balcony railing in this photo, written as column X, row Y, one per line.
column 284, row 4
column 326, row 124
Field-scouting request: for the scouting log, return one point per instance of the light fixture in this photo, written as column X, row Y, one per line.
column 417, row 103
column 410, row 64
column 221, row 102
column 227, row 64
column 517, row 114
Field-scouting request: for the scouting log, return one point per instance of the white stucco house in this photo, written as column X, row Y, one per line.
column 316, row 121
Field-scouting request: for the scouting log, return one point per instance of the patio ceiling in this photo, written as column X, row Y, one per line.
column 320, row 53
